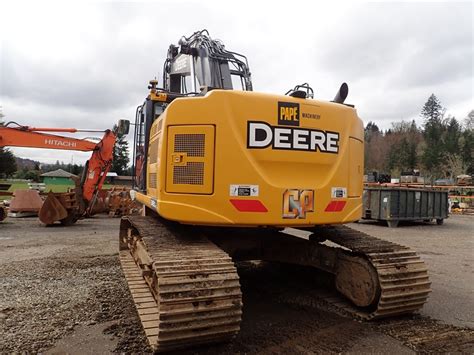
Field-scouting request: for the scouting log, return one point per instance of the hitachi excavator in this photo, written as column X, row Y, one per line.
column 228, row 174
column 67, row 208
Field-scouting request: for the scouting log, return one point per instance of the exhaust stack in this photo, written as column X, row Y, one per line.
column 341, row 94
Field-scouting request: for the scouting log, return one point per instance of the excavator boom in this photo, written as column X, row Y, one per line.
column 59, row 207
column 17, row 137
column 98, row 165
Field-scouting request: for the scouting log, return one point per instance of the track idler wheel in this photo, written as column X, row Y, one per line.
column 357, row 279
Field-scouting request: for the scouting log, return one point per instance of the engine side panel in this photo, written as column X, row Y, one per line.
column 247, row 159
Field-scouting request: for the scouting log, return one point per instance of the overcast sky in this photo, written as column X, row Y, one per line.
column 85, row 65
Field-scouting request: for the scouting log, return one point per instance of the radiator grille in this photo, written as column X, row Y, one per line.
column 192, row 174
column 152, row 180
column 154, row 151
column 160, row 125
column 189, row 159
column 192, row 144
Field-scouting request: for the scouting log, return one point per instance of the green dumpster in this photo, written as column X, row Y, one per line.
column 395, row 204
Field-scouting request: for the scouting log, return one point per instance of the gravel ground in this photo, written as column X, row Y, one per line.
column 60, row 285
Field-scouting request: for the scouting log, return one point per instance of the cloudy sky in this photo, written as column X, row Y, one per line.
column 87, row 64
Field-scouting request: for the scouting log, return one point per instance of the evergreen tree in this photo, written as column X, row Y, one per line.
column 7, row 159
column 370, row 132
column 412, row 155
column 467, row 150
column 453, row 135
column 432, row 110
column 412, row 149
column 120, row 157
column 433, row 155
column 76, row 169
column 7, row 163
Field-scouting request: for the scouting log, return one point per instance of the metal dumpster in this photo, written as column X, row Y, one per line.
column 395, row 204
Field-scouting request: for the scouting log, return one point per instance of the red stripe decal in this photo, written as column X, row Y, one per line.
column 340, row 205
column 330, row 207
column 335, row 206
column 249, row 205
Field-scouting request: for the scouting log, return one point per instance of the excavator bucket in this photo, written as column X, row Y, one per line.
column 52, row 210
column 120, row 202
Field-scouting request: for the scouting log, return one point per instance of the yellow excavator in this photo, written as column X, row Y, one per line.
column 226, row 174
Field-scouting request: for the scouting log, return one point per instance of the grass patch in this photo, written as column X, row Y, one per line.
column 16, row 185
column 23, row 185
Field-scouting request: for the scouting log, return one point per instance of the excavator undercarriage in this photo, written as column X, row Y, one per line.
column 186, row 289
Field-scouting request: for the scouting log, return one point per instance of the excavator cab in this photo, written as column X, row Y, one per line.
column 197, row 65
column 200, row 63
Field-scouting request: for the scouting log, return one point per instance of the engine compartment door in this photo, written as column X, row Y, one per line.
column 190, row 159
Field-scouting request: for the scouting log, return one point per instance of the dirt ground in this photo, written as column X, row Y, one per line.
column 62, row 291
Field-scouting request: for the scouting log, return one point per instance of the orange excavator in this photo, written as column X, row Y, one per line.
column 67, row 208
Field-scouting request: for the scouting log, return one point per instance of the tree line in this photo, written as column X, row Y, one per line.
column 38, row 169
column 442, row 147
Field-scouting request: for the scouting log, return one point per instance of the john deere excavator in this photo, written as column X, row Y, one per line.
column 67, row 208
column 227, row 174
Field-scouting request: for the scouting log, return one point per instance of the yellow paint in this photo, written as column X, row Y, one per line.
column 222, row 116
column 158, row 96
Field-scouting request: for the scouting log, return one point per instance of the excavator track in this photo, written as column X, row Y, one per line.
column 186, row 289
column 375, row 278
column 402, row 275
